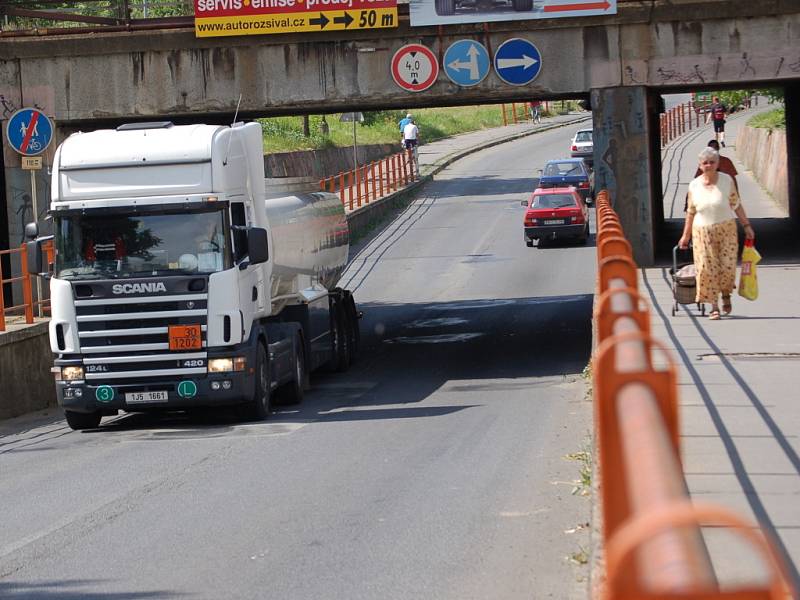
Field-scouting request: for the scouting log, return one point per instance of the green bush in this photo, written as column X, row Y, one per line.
column 774, row 119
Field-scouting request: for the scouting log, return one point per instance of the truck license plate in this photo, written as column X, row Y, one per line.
column 185, row 337
column 142, row 397
column 553, row 221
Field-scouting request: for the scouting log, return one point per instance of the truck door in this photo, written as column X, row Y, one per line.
column 250, row 282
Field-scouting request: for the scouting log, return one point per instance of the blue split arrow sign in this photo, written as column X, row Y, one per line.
column 517, row 61
column 466, row 63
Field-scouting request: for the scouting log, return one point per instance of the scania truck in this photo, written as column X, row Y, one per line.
column 179, row 282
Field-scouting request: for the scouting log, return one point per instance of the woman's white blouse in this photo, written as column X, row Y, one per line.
column 714, row 204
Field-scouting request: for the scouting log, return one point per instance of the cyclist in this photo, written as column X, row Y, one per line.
column 411, row 140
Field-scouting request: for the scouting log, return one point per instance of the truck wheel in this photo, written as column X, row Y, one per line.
column 79, row 421
column 257, row 409
column 445, row 7
column 341, row 339
column 354, row 334
column 520, row 5
column 292, row 392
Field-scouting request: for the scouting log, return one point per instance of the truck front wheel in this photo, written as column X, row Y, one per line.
column 79, row 421
column 292, row 392
column 257, row 409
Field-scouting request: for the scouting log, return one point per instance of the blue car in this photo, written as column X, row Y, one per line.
column 568, row 172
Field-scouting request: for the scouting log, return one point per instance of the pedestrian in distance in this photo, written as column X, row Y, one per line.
column 717, row 114
column 714, row 205
column 725, row 166
column 402, row 123
column 536, row 116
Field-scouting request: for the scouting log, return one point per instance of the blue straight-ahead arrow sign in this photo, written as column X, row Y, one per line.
column 517, row 61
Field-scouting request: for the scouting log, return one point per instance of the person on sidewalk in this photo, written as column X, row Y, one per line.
column 710, row 222
column 536, row 116
column 410, row 141
column 717, row 114
column 725, row 166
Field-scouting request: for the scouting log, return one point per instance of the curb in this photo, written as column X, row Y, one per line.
column 365, row 218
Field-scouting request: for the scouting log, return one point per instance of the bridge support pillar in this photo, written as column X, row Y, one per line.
column 625, row 163
column 792, row 104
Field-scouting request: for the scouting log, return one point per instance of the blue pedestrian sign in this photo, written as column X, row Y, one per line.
column 517, row 61
column 466, row 63
column 29, row 131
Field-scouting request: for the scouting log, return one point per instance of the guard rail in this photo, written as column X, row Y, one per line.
column 372, row 181
column 651, row 530
column 30, row 304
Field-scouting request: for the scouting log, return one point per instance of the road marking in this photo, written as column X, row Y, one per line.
column 445, row 338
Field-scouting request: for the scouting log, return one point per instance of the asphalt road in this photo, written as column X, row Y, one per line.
column 437, row 467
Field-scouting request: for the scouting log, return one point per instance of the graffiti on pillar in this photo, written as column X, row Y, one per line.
column 746, row 66
column 795, row 66
column 632, row 75
column 20, row 208
column 9, row 107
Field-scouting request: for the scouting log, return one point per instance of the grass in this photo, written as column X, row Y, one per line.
column 284, row 134
column 583, row 486
column 774, row 119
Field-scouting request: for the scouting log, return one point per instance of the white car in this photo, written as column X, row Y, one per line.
column 582, row 146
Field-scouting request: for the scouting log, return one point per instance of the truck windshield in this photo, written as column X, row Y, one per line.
column 92, row 246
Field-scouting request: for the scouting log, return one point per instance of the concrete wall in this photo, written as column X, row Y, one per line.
column 323, row 163
column 763, row 152
column 26, row 383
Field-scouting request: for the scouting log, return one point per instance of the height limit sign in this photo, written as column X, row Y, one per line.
column 414, row 68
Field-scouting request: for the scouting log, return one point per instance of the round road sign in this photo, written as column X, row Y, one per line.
column 517, row 61
column 29, row 131
column 414, row 68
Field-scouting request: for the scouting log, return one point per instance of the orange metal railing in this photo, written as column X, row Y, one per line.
column 370, row 182
column 651, row 530
column 29, row 303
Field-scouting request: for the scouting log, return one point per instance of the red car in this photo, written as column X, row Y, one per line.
column 556, row 213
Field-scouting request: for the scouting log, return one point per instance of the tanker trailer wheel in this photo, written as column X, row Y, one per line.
column 341, row 338
column 79, row 421
column 292, row 392
column 257, row 409
column 353, row 332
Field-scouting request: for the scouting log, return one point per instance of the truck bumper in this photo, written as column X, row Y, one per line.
column 218, row 389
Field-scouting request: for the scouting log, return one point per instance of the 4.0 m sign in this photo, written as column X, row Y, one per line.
column 257, row 17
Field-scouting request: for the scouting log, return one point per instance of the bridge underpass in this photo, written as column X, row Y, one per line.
column 624, row 61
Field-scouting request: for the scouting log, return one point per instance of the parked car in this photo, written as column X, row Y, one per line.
column 582, row 146
column 566, row 172
column 555, row 213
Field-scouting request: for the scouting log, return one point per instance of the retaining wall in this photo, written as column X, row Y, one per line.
column 26, row 383
column 763, row 152
column 323, row 163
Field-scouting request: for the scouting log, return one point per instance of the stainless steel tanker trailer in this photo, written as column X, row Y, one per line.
column 179, row 283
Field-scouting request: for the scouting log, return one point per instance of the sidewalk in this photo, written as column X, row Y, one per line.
column 738, row 381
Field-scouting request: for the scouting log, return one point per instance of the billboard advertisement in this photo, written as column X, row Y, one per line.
column 448, row 12
column 214, row 18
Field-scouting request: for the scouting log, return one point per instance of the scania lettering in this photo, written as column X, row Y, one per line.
column 138, row 288
column 179, row 282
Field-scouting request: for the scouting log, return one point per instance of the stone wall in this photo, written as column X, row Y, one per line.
column 763, row 152
column 323, row 163
column 26, row 383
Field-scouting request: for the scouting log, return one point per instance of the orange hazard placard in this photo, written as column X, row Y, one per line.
column 185, row 337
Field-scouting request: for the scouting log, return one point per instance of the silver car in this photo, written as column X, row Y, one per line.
column 582, row 146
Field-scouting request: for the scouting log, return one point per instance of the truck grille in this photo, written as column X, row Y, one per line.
column 124, row 338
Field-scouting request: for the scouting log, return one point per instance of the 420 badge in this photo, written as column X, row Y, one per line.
column 414, row 68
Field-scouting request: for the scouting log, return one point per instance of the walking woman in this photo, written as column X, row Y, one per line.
column 710, row 221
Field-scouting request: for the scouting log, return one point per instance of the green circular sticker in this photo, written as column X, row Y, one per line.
column 104, row 393
column 187, row 389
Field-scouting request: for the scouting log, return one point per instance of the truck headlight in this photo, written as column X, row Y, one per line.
column 71, row 373
column 226, row 365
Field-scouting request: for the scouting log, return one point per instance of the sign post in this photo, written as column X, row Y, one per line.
column 29, row 133
column 355, row 117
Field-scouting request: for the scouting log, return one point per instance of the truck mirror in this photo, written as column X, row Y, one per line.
column 257, row 245
column 35, row 255
column 31, row 230
column 524, row 202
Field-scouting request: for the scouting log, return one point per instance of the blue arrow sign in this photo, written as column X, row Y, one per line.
column 466, row 62
column 517, row 61
column 29, row 131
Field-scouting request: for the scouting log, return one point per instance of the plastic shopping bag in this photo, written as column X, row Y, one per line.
column 748, row 282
